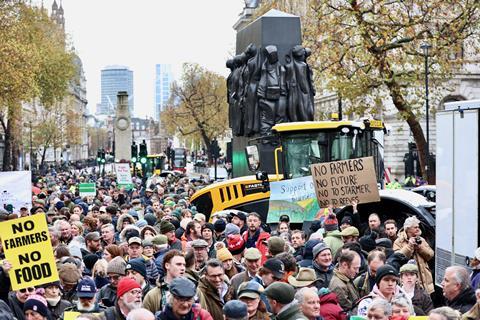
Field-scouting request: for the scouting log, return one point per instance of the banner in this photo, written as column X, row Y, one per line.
column 338, row 183
column 124, row 177
column 294, row 197
column 87, row 189
column 27, row 246
column 15, row 190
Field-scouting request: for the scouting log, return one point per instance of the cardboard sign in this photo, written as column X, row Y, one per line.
column 124, row 177
column 27, row 246
column 87, row 189
column 15, row 190
column 293, row 197
column 339, row 183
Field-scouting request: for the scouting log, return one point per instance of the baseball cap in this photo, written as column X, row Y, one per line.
column 135, row 240
column 276, row 266
column 86, row 288
column 251, row 289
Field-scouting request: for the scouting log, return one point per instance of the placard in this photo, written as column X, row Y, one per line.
column 15, row 190
column 293, row 197
column 124, row 177
column 87, row 189
column 339, row 183
column 27, row 246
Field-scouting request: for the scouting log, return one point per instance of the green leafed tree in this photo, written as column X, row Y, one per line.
column 198, row 106
column 370, row 51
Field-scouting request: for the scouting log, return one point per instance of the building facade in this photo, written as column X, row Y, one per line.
column 163, row 82
column 114, row 79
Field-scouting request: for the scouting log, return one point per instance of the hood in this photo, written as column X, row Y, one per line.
column 330, row 297
column 398, row 293
column 122, row 218
column 334, row 233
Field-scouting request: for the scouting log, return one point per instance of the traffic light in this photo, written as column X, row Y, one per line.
column 134, row 152
column 143, row 152
column 102, row 156
column 215, row 149
column 99, row 155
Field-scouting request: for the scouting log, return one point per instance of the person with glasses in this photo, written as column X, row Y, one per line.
column 16, row 301
column 129, row 297
column 107, row 295
column 272, row 270
column 181, row 304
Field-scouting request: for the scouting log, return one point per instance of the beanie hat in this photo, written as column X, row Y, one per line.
column 385, row 270
column 276, row 245
column 347, row 219
column 160, row 239
column 231, row 229
column 125, row 285
column 235, row 243
column 321, row 246
column 141, row 223
column 150, row 218
column 138, row 265
column 223, row 255
column 166, row 226
column 117, row 265
column 208, row 226
column 38, row 304
column 317, row 224
column 309, row 245
column 219, row 225
column 89, row 260
column 69, row 273
column 367, row 242
column 330, row 223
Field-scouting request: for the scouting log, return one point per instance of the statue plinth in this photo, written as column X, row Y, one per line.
column 123, row 129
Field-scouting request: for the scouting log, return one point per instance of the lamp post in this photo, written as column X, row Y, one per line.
column 426, row 47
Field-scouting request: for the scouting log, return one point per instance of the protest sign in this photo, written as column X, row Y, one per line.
column 15, row 190
column 87, row 189
column 339, row 183
column 124, row 177
column 294, row 197
column 27, row 246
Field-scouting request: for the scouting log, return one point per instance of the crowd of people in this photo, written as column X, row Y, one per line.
column 147, row 253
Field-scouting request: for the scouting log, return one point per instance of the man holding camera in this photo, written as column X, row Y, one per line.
column 413, row 246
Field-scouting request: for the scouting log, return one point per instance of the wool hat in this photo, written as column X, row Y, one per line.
column 252, row 254
column 89, row 260
column 138, row 265
column 141, row 223
column 200, row 217
column 308, row 251
column 367, row 242
column 347, row 219
column 317, row 224
column 166, row 226
column 220, row 225
column 160, row 239
column 208, row 226
column 235, row 309
column 276, row 266
column 183, row 288
column 321, row 246
column 86, row 288
column 251, row 289
column 350, row 231
column 69, row 273
column 223, row 254
column 304, row 278
column 284, row 218
column 117, row 265
column 330, row 223
column 410, row 267
column 385, row 270
column 231, row 229
column 150, row 218
column 235, row 244
column 125, row 285
column 276, row 245
column 38, row 304
column 281, row 292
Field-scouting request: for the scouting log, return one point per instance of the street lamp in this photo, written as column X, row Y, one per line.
column 426, row 47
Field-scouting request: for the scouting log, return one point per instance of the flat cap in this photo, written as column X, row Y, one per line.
column 252, row 254
column 350, row 231
column 199, row 243
column 251, row 289
column 235, row 309
column 281, row 292
column 182, row 287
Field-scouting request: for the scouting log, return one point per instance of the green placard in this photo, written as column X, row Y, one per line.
column 87, row 189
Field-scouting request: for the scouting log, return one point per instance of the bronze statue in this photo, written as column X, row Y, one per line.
column 230, row 65
column 253, row 70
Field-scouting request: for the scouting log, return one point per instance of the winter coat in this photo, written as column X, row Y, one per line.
column 421, row 300
column 475, row 278
column 122, row 218
column 197, row 313
column 262, row 313
column 5, row 311
column 98, row 308
column 422, row 254
column 345, row 290
column 365, row 302
column 362, row 284
column 323, row 277
column 334, row 241
column 156, row 299
column 237, row 280
column 260, row 243
column 58, row 309
column 16, row 306
column 464, row 301
column 112, row 313
column 473, row 313
column 107, row 296
column 292, row 312
column 210, row 300
column 330, row 308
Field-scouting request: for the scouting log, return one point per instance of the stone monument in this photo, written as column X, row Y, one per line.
column 123, row 129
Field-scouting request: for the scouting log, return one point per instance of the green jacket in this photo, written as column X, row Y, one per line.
column 344, row 288
column 333, row 239
column 292, row 312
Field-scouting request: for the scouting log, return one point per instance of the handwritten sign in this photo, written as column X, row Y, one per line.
column 15, row 190
column 27, row 246
column 124, row 177
column 295, row 198
column 339, row 183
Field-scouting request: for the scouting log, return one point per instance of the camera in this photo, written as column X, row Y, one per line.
column 418, row 240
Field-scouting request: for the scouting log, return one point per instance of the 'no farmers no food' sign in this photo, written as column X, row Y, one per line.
column 339, row 183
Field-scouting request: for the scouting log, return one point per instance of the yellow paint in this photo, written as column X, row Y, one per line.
column 314, row 125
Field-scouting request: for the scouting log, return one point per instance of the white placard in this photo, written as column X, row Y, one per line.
column 16, row 189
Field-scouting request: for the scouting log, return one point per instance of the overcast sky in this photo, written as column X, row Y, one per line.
column 141, row 33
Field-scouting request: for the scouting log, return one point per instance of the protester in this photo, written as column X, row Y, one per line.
column 444, row 313
column 255, row 237
column 129, row 297
column 280, row 297
column 364, row 282
column 251, row 293
column 213, row 291
column 309, row 303
column 456, row 289
column 53, row 296
column 107, row 295
column 235, row 310
column 342, row 279
column 35, row 308
column 86, row 291
column 252, row 262
column 323, row 264
column 409, row 282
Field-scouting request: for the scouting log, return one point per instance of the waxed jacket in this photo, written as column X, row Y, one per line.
column 292, row 312
column 345, row 290
column 155, row 300
column 422, row 254
column 209, row 298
